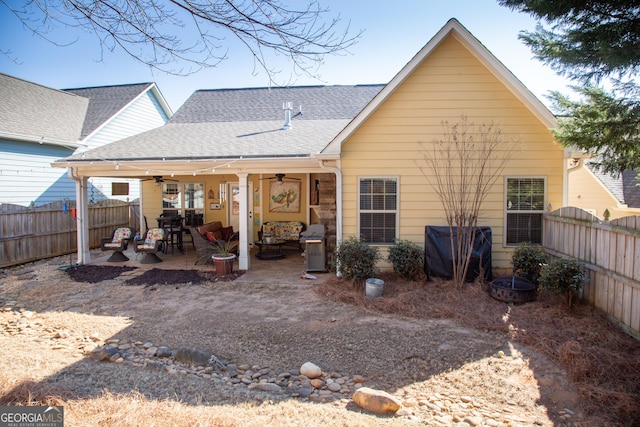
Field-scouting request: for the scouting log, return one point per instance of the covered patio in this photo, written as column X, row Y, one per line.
column 287, row 270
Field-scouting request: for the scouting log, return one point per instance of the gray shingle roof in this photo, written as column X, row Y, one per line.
column 264, row 104
column 105, row 102
column 221, row 140
column 631, row 188
column 36, row 111
column 245, row 122
column 613, row 184
column 625, row 187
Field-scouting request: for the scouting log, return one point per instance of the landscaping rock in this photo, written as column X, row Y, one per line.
column 192, row 356
column 268, row 387
column 163, row 352
column 310, row 370
column 377, row 401
column 103, row 353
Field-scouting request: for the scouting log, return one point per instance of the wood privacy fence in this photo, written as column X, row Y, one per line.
column 30, row 234
column 610, row 252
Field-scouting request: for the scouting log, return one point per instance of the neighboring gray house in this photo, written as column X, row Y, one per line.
column 39, row 125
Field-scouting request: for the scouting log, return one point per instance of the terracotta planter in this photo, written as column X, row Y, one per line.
column 223, row 264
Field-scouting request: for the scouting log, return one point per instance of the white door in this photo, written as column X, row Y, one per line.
column 233, row 207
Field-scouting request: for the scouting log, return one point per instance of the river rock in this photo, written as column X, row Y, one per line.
column 317, row 383
column 268, row 387
column 310, row 370
column 164, row 352
column 103, row 353
column 377, row 401
column 192, row 356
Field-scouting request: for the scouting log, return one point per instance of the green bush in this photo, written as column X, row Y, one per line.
column 357, row 260
column 563, row 276
column 407, row 259
column 527, row 261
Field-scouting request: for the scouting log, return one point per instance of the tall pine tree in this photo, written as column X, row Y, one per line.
column 592, row 42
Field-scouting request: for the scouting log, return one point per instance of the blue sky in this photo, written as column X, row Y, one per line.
column 394, row 31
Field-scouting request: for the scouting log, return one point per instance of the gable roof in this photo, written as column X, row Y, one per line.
column 245, row 123
column 457, row 30
column 106, row 101
column 35, row 113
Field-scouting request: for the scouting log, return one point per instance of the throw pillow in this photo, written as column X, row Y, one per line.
column 212, row 236
column 226, row 232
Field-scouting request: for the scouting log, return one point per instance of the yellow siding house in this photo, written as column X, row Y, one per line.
column 453, row 75
column 351, row 154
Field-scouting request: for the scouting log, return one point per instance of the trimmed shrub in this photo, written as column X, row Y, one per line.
column 527, row 261
column 563, row 276
column 357, row 260
column 407, row 259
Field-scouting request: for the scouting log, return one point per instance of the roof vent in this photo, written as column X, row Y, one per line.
column 287, row 106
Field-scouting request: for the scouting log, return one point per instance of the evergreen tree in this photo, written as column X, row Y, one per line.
column 592, row 41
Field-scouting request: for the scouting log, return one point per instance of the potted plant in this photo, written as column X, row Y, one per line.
column 222, row 253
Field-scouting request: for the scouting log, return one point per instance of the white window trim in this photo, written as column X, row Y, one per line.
column 397, row 210
column 504, row 205
column 182, row 210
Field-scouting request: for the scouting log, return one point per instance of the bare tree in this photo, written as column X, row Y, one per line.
column 163, row 33
column 462, row 167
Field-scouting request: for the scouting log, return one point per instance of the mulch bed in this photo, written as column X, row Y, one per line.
column 155, row 276
column 96, row 273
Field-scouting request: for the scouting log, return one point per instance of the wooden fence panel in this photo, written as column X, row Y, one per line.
column 30, row 234
column 610, row 252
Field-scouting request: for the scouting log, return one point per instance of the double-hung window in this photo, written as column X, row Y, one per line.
column 378, row 209
column 525, row 204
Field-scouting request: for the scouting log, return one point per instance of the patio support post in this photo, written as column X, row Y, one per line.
column 243, row 219
column 82, row 215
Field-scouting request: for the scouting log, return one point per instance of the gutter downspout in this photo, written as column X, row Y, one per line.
column 567, row 157
column 338, row 172
column 82, row 213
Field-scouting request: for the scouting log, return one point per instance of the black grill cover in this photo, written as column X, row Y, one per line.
column 438, row 259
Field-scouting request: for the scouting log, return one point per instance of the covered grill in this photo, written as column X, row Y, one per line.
column 314, row 247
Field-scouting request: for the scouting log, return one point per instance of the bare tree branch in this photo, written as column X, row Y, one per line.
column 166, row 34
column 462, row 167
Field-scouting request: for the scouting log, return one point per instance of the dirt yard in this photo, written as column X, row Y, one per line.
column 448, row 355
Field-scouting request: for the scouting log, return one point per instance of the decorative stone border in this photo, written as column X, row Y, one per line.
column 307, row 382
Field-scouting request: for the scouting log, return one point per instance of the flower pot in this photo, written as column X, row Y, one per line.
column 223, row 264
column 374, row 287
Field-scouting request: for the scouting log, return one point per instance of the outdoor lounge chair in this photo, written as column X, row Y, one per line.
column 117, row 243
column 203, row 246
column 155, row 241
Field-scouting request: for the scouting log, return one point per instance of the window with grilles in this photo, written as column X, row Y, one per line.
column 378, row 209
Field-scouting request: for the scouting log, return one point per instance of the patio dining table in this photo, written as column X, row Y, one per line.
column 174, row 227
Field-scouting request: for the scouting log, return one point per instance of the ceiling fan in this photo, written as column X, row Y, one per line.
column 281, row 177
column 159, row 179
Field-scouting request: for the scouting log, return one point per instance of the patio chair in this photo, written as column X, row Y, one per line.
column 155, row 241
column 118, row 243
column 203, row 246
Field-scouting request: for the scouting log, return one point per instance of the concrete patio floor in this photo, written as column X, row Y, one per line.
column 287, row 270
